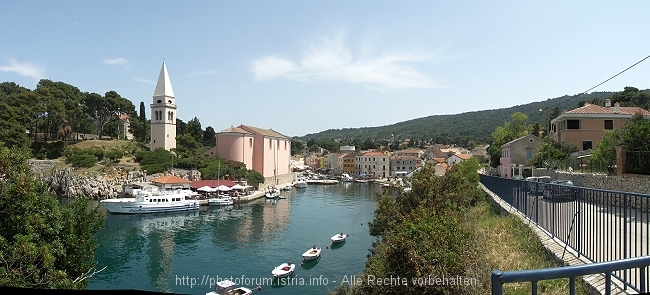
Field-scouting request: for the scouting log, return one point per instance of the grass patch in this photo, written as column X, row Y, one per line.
column 507, row 244
column 103, row 144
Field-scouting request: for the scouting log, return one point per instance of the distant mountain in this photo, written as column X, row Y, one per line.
column 460, row 128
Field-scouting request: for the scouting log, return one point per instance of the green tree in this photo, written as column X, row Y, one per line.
column 194, row 129
column 515, row 128
column 296, row 146
column 43, row 244
column 209, row 137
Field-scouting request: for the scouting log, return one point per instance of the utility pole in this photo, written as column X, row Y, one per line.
column 548, row 138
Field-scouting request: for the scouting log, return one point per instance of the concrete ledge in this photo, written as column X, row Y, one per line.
column 555, row 248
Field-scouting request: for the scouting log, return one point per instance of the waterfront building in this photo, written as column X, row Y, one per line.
column 163, row 113
column 374, row 164
column 348, row 164
column 402, row 165
column 171, row 182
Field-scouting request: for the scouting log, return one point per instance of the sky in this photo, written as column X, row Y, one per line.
column 301, row 67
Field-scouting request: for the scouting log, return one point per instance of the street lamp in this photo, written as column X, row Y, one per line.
column 548, row 138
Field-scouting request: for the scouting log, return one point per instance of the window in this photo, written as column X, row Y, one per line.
column 250, row 142
column 572, row 124
column 609, row 124
column 529, row 153
column 586, row 145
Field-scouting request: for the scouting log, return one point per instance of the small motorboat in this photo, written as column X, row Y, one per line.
column 282, row 197
column 287, row 188
column 283, row 270
column 221, row 201
column 228, row 287
column 312, row 253
column 272, row 193
column 339, row 238
column 301, row 183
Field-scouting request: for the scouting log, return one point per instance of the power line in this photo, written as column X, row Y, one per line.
column 601, row 83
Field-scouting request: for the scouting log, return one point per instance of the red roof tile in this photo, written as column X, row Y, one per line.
column 170, row 179
column 596, row 109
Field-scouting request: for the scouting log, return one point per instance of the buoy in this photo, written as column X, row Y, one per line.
column 302, row 263
column 259, row 288
column 362, row 223
column 327, row 247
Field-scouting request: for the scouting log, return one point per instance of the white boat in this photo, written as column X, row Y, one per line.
column 359, row 180
column 272, row 193
column 338, row 238
column 287, row 188
column 227, row 287
column 312, row 253
column 346, row 177
column 283, row 270
column 221, row 201
column 151, row 202
column 301, row 183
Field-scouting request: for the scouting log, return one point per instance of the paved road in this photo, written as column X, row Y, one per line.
column 597, row 224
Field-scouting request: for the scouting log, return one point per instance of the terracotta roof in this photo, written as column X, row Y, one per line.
column 464, row 156
column 212, row 183
column 170, row 179
column 234, row 130
column 373, row 154
column 596, row 109
column 265, row 132
column 439, row 160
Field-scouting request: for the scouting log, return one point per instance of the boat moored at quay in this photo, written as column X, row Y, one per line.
column 151, row 202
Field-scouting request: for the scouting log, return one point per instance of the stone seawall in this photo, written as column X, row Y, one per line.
column 281, row 180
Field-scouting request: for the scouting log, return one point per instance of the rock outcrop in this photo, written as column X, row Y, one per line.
column 65, row 182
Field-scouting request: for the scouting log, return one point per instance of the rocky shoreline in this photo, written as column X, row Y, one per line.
column 64, row 182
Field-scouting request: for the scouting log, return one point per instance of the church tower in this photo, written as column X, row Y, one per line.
column 163, row 113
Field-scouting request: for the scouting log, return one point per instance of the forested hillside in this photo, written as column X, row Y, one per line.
column 461, row 128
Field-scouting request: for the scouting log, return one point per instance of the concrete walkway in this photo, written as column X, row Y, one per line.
column 556, row 249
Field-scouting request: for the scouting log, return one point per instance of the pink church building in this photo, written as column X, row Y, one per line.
column 263, row 150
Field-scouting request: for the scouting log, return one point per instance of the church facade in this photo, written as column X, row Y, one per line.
column 263, row 150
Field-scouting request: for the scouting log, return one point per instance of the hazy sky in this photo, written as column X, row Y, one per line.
column 302, row 67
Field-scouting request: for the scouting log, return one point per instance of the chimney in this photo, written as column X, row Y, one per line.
column 618, row 107
column 608, row 103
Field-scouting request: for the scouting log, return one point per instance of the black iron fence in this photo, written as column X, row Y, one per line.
column 600, row 225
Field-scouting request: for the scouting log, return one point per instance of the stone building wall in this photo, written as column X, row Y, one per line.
column 634, row 183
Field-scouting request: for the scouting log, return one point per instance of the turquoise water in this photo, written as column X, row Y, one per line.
column 188, row 252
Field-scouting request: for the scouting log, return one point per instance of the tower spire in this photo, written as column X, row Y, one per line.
column 164, row 85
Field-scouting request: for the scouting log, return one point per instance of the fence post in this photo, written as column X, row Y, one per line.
column 620, row 159
column 497, row 288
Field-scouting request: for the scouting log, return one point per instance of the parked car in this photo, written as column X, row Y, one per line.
column 537, row 183
column 518, row 177
column 560, row 189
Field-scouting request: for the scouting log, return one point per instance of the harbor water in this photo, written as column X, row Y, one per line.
column 188, row 252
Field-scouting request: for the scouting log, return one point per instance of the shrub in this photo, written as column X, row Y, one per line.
column 54, row 153
column 82, row 160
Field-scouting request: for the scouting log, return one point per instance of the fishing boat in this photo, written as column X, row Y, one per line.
column 221, row 201
column 312, row 253
column 283, row 270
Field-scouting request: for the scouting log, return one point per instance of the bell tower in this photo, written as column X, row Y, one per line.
column 163, row 113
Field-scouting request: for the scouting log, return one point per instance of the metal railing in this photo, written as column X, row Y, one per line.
column 599, row 225
column 572, row 272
